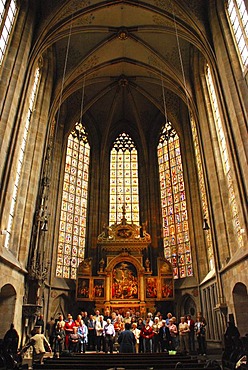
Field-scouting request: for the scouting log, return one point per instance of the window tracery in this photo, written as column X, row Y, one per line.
column 124, row 184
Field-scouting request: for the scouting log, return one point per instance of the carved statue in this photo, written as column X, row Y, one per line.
column 106, row 231
column 148, row 265
column 101, row 265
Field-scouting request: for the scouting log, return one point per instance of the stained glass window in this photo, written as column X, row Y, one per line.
column 8, row 12
column 72, row 228
column 224, row 156
column 238, row 17
column 124, row 184
column 176, row 240
column 31, row 106
column 203, row 195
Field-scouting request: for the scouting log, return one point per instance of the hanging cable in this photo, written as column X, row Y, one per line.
column 82, row 103
column 65, row 67
column 181, row 61
column 165, row 109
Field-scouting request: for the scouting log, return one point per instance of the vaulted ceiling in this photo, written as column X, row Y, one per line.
column 122, row 62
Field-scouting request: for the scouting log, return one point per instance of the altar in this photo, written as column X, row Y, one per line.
column 122, row 277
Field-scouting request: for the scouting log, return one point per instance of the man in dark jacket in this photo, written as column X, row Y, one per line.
column 165, row 337
column 11, row 340
column 127, row 340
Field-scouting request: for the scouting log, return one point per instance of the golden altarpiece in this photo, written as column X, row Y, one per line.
column 124, row 278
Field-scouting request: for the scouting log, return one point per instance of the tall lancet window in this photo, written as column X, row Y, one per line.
column 8, row 11
column 173, row 202
column 72, row 228
column 225, row 156
column 22, row 149
column 124, row 184
column 238, row 17
column 203, row 193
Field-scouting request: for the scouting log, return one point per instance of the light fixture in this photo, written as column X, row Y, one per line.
column 205, row 223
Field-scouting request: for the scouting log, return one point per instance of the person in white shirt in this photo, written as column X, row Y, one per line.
column 38, row 342
column 109, row 334
column 100, row 342
column 136, row 332
column 183, row 328
column 155, row 339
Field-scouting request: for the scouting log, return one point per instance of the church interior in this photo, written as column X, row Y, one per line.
column 123, row 145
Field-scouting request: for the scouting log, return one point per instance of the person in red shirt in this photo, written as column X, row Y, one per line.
column 68, row 329
column 147, row 334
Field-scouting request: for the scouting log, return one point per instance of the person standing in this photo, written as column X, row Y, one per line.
column 191, row 325
column 136, row 332
column 184, row 335
column 68, row 329
column 100, row 342
column 231, row 336
column 59, row 339
column 74, row 340
column 200, row 330
column 165, row 337
column 147, row 334
column 174, row 334
column 127, row 340
column 10, row 340
column 83, row 334
column 156, row 341
column 40, row 322
column 91, row 333
column 109, row 335
column 50, row 326
column 140, row 325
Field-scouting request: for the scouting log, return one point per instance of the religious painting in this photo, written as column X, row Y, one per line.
column 167, row 291
column 165, row 267
column 124, row 281
column 151, row 288
column 98, row 288
column 83, row 288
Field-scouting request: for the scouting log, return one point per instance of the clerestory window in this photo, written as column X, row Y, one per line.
column 177, row 248
column 31, row 107
column 8, row 11
column 224, row 155
column 238, row 17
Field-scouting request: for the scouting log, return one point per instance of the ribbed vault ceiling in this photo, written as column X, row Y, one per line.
column 119, row 55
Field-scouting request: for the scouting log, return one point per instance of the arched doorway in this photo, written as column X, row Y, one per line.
column 7, row 307
column 240, row 301
column 188, row 306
